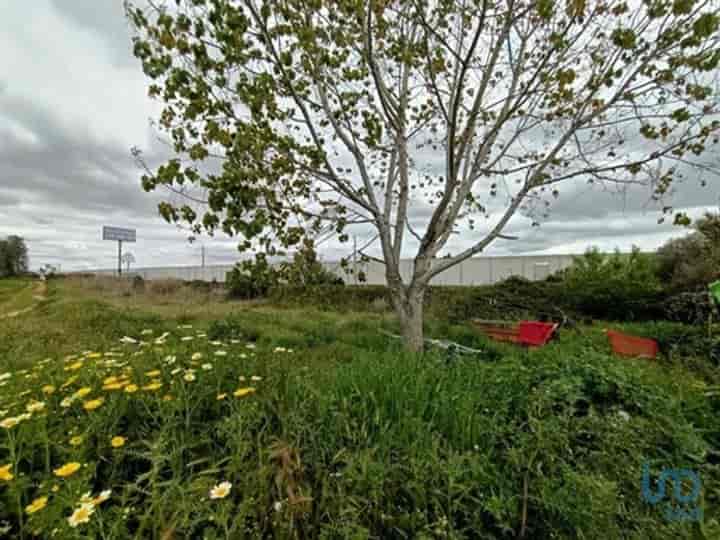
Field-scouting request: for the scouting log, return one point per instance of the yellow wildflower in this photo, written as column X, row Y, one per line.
column 76, row 441
column 10, row 422
column 75, row 366
column 37, row 505
column 69, row 381
column 93, row 404
column 242, row 392
column 55, row 488
column 94, row 355
column 153, row 373
column 130, row 388
column 81, row 515
column 167, row 397
column 114, row 386
column 67, row 470
column 5, row 473
column 35, row 406
column 48, row 389
column 110, row 380
column 82, row 392
column 221, row 491
column 221, row 397
column 117, row 441
column 154, row 385
column 104, row 496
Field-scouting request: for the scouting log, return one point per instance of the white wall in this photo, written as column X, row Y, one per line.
column 475, row 271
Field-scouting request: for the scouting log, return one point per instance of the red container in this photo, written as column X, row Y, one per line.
column 536, row 334
column 499, row 333
column 627, row 345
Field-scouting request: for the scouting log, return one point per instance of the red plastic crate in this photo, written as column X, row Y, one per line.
column 499, row 333
column 536, row 334
column 627, row 345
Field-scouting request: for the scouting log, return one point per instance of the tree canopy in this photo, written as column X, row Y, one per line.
column 13, row 256
column 421, row 118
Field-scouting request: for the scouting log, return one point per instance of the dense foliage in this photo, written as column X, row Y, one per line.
column 256, row 278
column 691, row 262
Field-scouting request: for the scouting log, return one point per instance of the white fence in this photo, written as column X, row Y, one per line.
column 475, row 271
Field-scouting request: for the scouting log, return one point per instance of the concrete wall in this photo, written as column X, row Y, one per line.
column 475, row 271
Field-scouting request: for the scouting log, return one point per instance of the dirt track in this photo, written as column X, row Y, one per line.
column 39, row 294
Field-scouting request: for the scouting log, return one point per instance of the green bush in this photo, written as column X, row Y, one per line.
column 614, row 287
column 252, row 279
column 691, row 262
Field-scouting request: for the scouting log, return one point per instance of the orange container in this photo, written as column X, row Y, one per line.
column 627, row 345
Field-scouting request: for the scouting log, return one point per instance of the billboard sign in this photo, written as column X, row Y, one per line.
column 116, row 233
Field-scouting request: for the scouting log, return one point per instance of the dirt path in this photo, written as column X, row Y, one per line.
column 39, row 294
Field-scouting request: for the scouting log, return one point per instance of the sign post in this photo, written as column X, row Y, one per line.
column 121, row 235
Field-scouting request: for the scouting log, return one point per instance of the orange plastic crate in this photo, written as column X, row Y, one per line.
column 627, row 345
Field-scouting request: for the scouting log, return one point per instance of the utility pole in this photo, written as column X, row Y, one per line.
column 202, row 250
column 355, row 269
column 119, row 257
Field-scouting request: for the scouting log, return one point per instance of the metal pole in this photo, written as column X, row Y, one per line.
column 355, row 269
column 203, row 256
column 119, row 257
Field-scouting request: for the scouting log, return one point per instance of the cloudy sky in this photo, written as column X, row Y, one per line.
column 73, row 102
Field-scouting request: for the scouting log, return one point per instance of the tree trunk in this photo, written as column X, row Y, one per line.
column 409, row 308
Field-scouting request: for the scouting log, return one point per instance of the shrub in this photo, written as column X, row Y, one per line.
column 252, row 278
column 305, row 270
column 690, row 263
column 614, row 287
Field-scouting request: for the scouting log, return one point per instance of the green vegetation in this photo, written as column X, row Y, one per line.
column 343, row 435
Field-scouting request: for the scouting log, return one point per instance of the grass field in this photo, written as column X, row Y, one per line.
column 324, row 428
column 16, row 294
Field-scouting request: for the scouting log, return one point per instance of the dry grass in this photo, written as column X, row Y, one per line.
column 167, row 297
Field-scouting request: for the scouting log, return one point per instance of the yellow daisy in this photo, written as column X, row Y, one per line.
column 155, row 385
column 69, row 381
column 104, row 496
column 117, row 441
column 48, row 389
column 153, row 373
column 130, row 388
column 242, row 392
column 93, row 404
column 76, row 441
column 75, row 366
column 5, row 473
column 37, row 505
column 81, row 515
column 82, row 392
column 220, row 491
column 67, row 470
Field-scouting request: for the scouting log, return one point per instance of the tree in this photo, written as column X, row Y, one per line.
column 693, row 261
column 128, row 258
column 287, row 115
column 13, row 257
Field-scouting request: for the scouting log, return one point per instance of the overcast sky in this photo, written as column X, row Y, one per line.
column 73, row 102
